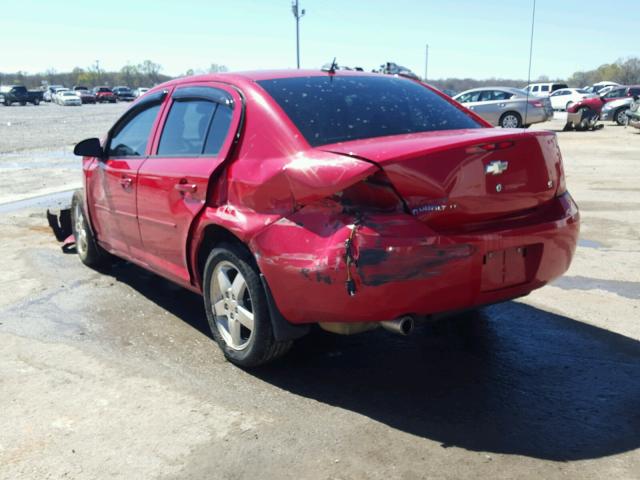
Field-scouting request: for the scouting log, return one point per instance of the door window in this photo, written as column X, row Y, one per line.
column 493, row 95
column 619, row 92
column 544, row 88
column 131, row 137
column 195, row 127
column 470, row 97
column 186, row 127
column 218, row 130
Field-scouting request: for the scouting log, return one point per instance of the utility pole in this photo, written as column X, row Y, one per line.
column 298, row 14
column 426, row 63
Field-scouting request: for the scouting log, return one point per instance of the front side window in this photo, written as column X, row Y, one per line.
column 329, row 109
column 131, row 137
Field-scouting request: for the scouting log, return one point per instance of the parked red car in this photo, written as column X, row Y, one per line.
column 595, row 104
column 352, row 200
column 104, row 94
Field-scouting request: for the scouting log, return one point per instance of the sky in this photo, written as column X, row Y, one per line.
column 479, row 39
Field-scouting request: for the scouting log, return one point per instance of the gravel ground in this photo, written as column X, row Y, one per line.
column 36, row 145
column 114, row 374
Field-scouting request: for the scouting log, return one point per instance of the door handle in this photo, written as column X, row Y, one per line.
column 126, row 182
column 186, row 187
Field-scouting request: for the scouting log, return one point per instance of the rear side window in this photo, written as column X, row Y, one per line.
column 186, row 128
column 131, row 137
column 329, row 109
column 544, row 88
column 195, row 127
column 218, row 130
column 633, row 91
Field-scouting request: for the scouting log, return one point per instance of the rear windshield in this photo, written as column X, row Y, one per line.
column 331, row 109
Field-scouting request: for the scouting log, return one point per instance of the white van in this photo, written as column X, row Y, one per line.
column 544, row 89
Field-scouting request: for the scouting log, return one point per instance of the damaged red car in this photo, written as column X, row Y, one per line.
column 344, row 199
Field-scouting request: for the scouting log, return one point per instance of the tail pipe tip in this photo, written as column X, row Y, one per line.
column 401, row 326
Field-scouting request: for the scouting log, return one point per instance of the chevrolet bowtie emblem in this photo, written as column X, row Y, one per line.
column 496, row 167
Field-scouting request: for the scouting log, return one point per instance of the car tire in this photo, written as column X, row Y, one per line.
column 237, row 309
column 36, row 102
column 88, row 250
column 510, row 120
column 620, row 117
column 7, row 103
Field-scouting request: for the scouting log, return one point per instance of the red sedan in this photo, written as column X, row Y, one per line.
column 345, row 199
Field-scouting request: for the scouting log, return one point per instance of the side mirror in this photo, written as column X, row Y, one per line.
column 89, row 148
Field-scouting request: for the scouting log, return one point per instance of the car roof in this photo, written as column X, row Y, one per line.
column 504, row 89
column 258, row 75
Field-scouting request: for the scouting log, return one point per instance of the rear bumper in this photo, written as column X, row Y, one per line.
column 537, row 115
column 403, row 267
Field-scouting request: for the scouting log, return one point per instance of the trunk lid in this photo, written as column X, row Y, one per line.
column 457, row 179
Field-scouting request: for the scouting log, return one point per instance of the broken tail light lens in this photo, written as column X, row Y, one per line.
column 375, row 192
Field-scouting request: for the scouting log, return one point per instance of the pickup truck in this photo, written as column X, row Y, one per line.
column 19, row 94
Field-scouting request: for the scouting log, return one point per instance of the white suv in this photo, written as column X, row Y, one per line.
column 544, row 89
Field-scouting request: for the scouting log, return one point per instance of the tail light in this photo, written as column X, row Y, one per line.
column 490, row 147
column 536, row 103
column 373, row 193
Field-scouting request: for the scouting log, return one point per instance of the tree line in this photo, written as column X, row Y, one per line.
column 148, row 74
column 622, row 71
column 145, row 74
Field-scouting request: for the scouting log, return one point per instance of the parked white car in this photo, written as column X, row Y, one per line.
column 140, row 91
column 58, row 91
column 565, row 97
column 543, row 89
column 600, row 86
column 67, row 98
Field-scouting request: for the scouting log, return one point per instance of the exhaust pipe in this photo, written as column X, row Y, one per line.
column 400, row 326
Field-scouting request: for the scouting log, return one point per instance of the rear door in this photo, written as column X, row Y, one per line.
column 493, row 103
column 113, row 183
column 197, row 135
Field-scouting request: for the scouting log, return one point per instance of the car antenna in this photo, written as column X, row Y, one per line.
column 533, row 22
column 331, row 68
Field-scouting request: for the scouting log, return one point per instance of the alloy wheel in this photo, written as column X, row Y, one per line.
column 80, row 231
column 510, row 121
column 232, row 305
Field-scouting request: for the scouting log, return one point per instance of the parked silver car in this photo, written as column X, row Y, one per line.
column 616, row 110
column 506, row 107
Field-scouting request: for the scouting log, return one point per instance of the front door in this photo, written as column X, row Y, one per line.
column 198, row 133
column 114, row 181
